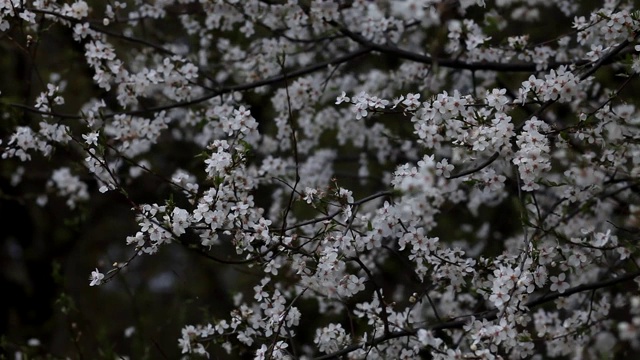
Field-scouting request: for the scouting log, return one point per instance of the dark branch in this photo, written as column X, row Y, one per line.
column 223, row 90
column 450, row 63
column 477, row 168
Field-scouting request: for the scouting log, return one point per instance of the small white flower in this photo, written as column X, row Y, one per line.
column 129, row 331
column 96, row 278
column 558, row 283
column 342, row 98
column 412, row 101
column 91, row 138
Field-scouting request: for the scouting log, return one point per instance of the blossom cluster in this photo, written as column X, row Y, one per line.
column 400, row 179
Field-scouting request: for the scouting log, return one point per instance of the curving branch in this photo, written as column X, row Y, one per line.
column 477, row 168
column 605, row 59
column 378, row 290
column 221, row 91
column 450, row 63
column 103, row 30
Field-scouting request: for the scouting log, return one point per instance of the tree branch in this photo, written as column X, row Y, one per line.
column 449, row 63
column 223, row 90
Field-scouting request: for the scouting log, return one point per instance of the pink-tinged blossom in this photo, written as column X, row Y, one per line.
column 497, row 99
column 330, row 338
column 412, row 101
column 558, row 283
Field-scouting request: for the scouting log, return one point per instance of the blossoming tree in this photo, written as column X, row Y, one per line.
column 403, row 179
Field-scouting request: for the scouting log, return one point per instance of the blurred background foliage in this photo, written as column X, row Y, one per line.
column 47, row 252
